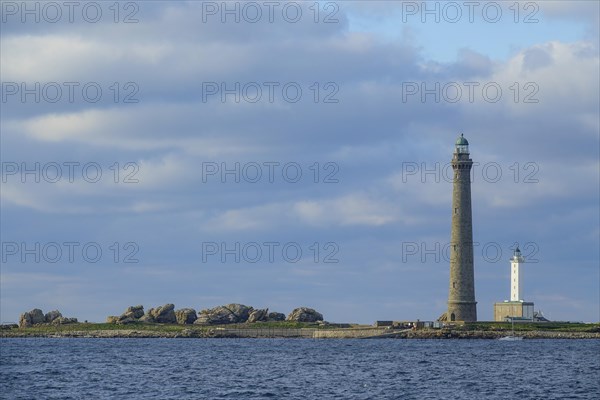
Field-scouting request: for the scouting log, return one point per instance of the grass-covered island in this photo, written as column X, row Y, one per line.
column 240, row 321
column 285, row 329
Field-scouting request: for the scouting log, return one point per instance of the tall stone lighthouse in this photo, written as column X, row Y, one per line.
column 461, row 296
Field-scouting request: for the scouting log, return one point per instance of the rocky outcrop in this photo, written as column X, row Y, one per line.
column 185, row 316
column 261, row 315
column 276, row 316
column 135, row 312
column 131, row 315
column 165, row 314
column 239, row 313
column 162, row 315
column 36, row 317
column 147, row 317
column 51, row 316
column 304, row 314
column 228, row 314
column 33, row 317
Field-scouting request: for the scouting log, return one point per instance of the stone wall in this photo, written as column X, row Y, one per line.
column 510, row 309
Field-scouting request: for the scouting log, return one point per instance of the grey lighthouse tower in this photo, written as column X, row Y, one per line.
column 461, row 296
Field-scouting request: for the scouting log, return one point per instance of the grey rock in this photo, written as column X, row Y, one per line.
column 147, row 317
column 132, row 313
column 258, row 315
column 36, row 316
column 240, row 311
column 33, row 317
column 304, row 314
column 135, row 312
column 186, row 333
column 189, row 333
column 215, row 316
column 228, row 314
column 164, row 314
column 185, row 316
column 124, row 317
column 52, row 315
column 276, row 316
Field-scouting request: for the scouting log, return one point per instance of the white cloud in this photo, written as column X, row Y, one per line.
column 140, row 128
column 356, row 209
column 244, row 219
column 565, row 75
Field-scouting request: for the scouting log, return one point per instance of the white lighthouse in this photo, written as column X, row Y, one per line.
column 516, row 293
column 516, row 308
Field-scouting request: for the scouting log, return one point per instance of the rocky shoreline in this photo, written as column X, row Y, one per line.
column 306, row 333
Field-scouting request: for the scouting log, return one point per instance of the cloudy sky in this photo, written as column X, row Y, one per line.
column 291, row 154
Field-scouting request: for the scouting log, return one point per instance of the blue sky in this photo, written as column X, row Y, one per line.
column 379, row 204
column 441, row 41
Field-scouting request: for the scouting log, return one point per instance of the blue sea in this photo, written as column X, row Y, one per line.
column 298, row 369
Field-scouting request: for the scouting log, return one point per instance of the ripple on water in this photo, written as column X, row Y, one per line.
column 298, row 369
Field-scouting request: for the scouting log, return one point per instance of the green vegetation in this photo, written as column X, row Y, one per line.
column 174, row 329
column 83, row 327
column 150, row 327
column 532, row 326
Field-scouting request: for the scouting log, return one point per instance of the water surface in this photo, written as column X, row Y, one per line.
column 298, row 369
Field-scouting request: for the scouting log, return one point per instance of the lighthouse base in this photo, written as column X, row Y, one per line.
column 462, row 311
column 513, row 309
